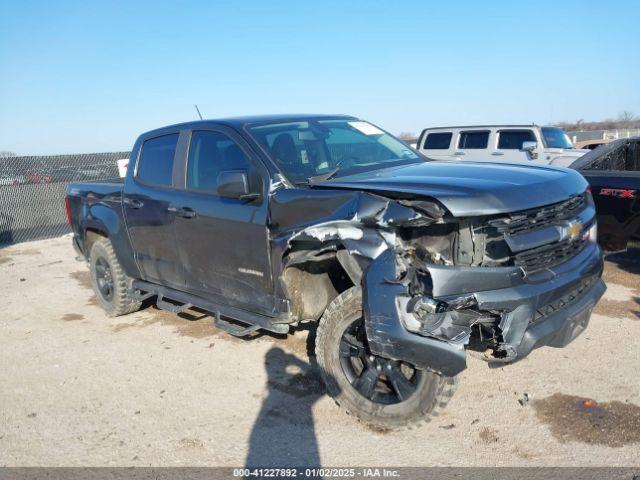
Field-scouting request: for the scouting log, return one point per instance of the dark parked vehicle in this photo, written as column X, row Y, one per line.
column 267, row 222
column 613, row 172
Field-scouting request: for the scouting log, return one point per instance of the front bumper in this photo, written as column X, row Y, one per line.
column 550, row 308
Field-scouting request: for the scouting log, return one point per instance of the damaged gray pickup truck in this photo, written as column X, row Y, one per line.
column 405, row 264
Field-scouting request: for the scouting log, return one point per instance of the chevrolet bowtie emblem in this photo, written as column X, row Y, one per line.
column 572, row 230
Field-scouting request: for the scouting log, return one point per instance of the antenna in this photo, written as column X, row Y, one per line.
column 198, row 110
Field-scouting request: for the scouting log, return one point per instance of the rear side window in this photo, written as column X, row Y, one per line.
column 209, row 154
column 438, row 141
column 513, row 139
column 473, row 139
column 155, row 165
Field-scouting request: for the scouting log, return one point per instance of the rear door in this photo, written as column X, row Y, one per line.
column 226, row 253
column 473, row 145
column 146, row 200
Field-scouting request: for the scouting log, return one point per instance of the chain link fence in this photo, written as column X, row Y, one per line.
column 32, row 191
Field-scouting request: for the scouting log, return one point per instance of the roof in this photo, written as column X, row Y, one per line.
column 240, row 122
column 487, row 126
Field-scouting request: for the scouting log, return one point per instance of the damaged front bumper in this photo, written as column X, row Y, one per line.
column 549, row 308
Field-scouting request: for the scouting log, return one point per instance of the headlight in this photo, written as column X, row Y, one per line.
column 591, row 235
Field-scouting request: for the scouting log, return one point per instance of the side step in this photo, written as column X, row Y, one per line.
column 138, row 295
column 233, row 328
column 184, row 301
column 171, row 307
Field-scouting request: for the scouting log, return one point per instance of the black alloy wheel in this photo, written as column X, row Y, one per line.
column 378, row 379
column 104, row 279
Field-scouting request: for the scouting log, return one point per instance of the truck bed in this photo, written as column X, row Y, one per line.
column 99, row 188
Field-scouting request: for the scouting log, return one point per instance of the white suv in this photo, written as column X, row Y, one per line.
column 499, row 143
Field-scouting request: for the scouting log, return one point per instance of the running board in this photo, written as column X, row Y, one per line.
column 171, row 307
column 139, row 296
column 252, row 321
column 233, row 328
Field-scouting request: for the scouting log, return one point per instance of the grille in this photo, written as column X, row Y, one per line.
column 533, row 219
column 548, row 256
column 562, row 302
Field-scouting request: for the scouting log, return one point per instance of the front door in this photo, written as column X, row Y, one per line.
column 508, row 147
column 224, row 241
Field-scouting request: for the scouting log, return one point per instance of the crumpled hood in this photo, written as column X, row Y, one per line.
column 471, row 188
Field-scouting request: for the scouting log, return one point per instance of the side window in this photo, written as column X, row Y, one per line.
column 473, row 139
column 209, row 154
column 438, row 141
column 155, row 164
column 513, row 139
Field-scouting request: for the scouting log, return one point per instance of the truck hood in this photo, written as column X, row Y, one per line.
column 471, row 188
column 567, row 152
column 563, row 157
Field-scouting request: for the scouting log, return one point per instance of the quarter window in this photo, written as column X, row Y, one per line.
column 513, row 139
column 209, row 154
column 155, row 164
column 473, row 139
column 438, row 141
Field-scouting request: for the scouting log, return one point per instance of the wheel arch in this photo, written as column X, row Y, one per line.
column 326, row 269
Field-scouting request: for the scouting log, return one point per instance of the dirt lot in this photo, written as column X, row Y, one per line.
column 151, row 388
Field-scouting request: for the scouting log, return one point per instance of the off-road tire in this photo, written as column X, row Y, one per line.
column 121, row 302
column 432, row 395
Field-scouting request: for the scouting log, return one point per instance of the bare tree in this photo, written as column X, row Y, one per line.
column 407, row 136
column 626, row 117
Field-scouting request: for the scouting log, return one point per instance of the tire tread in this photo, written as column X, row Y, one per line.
column 122, row 303
column 341, row 305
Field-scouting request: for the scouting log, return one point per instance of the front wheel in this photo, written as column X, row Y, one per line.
column 381, row 392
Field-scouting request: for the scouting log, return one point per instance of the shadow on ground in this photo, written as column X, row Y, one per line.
column 283, row 434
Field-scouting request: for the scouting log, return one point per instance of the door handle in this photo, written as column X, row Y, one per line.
column 185, row 212
column 497, row 153
column 458, row 153
column 133, row 202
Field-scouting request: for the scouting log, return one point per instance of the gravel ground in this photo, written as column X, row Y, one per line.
column 151, row 388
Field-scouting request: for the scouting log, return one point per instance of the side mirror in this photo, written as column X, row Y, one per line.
column 529, row 146
column 234, row 184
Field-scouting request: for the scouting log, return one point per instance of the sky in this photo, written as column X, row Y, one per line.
column 89, row 76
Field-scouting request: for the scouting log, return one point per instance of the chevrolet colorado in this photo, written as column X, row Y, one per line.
column 405, row 264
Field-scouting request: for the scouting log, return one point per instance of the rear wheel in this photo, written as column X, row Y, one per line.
column 381, row 392
column 109, row 281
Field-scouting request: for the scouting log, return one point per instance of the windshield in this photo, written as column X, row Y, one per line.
column 323, row 148
column 555, row 137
